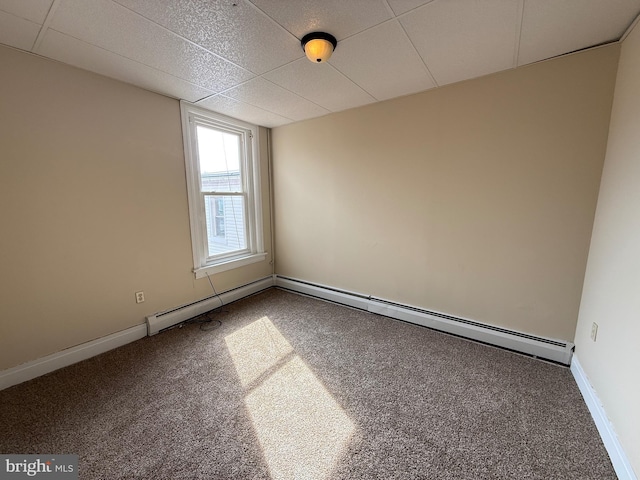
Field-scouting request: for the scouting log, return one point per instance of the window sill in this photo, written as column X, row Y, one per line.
column 229, row 265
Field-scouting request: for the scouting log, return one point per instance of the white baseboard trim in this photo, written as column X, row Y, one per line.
column 55, row 361
column 343, row 297
column 550, row 349
column 159, row 321
column 619, row 459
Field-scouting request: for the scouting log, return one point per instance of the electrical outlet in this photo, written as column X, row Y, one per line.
column 139, row 297
column 594, row 331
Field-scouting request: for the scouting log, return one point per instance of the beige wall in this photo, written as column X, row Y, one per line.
column 93, row 207
column 475, row 199
column 611, row 295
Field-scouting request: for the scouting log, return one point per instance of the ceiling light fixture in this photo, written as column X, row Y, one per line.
column 318, row 46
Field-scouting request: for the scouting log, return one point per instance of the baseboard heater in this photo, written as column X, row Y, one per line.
column 549, row 349
column 163, row 320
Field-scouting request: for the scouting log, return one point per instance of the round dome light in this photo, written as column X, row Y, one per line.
column 318, row 46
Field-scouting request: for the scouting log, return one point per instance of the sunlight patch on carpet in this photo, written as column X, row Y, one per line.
column 302, row 429
column 256, row 349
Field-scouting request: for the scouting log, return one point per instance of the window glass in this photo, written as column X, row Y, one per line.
column 223, row 187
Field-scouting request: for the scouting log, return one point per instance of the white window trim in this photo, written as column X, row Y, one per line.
column 192, row 114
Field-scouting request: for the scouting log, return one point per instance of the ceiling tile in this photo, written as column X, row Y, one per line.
column 34, row 10
column 17, row 32
column 461, row 39
column 80, row 54
column 115, row 28
column 338, row 17
column 243, row 111
column 320, row 83
column 393, row 69
column 402, row 6
column 237, row 31
column 551, row 28
column 248, row 52
column 269, row 96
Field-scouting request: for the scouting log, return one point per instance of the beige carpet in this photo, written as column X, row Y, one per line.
column 295, row 388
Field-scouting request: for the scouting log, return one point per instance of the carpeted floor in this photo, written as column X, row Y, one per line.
column 295, row 388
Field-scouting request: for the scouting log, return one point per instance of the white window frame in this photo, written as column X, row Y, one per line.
column 192, row 116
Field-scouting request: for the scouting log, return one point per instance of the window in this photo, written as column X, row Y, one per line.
column 223, row 180
column 218, row 223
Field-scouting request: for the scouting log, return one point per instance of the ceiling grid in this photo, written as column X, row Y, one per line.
column 243, row 58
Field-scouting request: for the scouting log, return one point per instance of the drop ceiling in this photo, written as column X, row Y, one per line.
column 243, row 58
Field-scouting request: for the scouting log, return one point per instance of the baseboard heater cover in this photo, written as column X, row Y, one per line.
column 163, row 320
column 555, row 350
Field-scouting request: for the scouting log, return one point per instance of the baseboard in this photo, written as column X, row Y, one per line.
column 619, row 459
column 343, row 297
column 55, row 361
column 550, row 349
column 162, row 320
